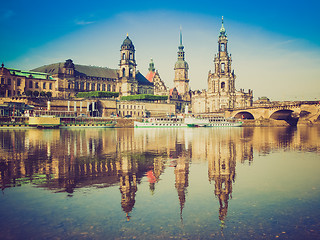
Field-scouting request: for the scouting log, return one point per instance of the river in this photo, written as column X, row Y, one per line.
column 191, row 183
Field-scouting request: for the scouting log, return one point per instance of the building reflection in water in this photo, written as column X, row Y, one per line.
column 63, row 160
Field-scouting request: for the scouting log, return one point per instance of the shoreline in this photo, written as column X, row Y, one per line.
column 128, row 123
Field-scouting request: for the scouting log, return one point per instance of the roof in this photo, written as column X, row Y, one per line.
column 142, row 80
column 27, row 74
column 150, row 76
column 127, row 44
column 80, row 70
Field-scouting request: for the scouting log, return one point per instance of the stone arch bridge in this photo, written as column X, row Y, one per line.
column 307, row 111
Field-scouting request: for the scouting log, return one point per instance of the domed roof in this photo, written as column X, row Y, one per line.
column 181, row 64
column 127, row 43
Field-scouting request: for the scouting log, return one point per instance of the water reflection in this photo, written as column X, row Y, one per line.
column 64, row 160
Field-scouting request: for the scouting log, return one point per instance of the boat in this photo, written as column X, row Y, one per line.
column 161, row 122
column 90, row 125
column 44, row 121
column 215, row 121
column 189, row 121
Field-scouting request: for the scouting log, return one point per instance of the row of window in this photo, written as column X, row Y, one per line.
column 44, row 85
column 131, row 107
column 9, row 81
column 132, row 113
column 10, row 93
column 92, row 87
column 131, row 57
column 31, row 84
column 97, row 78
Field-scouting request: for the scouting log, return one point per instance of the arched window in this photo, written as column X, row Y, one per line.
column 123, row 56
column 123, row 72
column 98, row 87
column 222, row 67
column 103, row 87
column 87, row 86
column 82, row 86
column 223, row 84
column 18, row 82
column 30, row 84
column 76, row 85
column 93, row 86
column 131, row 56
column 108, row 88
column 222, row 47
column 44, row 85
column 130, row 72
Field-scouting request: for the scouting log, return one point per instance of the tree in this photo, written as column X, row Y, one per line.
column 49, row 94
column 28, row 93
column 35, row 93
column 43, row 94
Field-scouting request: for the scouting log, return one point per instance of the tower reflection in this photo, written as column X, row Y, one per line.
column 66, row 160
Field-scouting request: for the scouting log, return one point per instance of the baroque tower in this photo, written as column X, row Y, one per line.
column 181, row 81
column 127, row 75
column 221, row 83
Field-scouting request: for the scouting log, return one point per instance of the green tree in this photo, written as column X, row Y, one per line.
column 49, row 94
column 35, row 93
column 28, row 93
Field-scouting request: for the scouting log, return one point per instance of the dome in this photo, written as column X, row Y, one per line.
column 127, row 43
column 181, row 64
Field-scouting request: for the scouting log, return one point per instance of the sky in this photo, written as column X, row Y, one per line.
column 274, row 44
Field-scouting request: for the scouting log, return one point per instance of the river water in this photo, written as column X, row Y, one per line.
column 202, row 183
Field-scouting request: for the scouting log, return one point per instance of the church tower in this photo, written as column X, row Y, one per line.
column 221, row 83
column 127, row 75
column 181, row 81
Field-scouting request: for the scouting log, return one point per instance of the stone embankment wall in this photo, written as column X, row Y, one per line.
column 124, row 123
column 264, row 123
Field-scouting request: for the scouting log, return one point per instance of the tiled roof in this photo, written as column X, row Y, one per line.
column 150, row 76
column 142, row 80
column 80, row 70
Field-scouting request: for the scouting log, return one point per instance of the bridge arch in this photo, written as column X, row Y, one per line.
column 304, row 113
column 283, row 114
column 244, row 115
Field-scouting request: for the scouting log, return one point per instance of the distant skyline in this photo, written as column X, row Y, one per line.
column 275, row 45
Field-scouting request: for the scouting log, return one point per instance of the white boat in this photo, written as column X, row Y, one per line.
column 161, row 122
column 215, row 121
column 174, row 122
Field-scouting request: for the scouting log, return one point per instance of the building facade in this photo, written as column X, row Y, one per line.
column 73, row 78
column 153, row 76
column 17, row 83
column 221, row 93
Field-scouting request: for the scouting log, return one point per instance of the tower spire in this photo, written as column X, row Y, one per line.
column 222, row 29
column 180, row 36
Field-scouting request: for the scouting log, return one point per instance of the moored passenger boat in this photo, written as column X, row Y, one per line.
column 44, row 121
column 174, row 122
column 161, row 122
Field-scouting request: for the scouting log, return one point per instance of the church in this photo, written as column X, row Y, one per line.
column 180, row 94
column 73, row 78
column 221, row 93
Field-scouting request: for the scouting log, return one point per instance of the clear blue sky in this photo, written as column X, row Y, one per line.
column 275, row 45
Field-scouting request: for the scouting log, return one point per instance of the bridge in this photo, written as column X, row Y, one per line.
column 291, row 112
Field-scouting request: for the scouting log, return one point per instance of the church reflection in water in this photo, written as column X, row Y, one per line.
column 64, row 160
